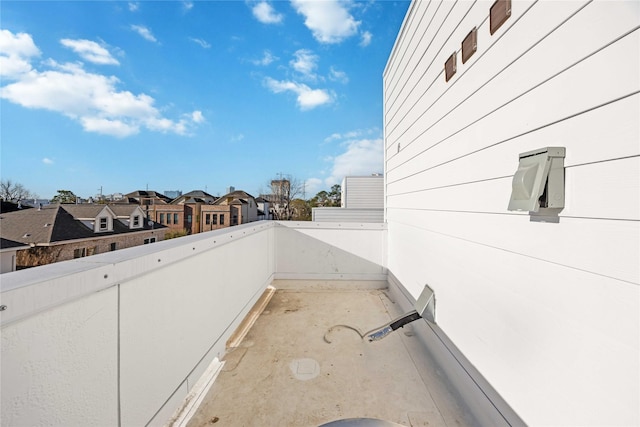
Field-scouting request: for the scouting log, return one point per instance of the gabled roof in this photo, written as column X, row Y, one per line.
column 88, row 211
column 125, row 211
column 47, row 225
column 11, row 206
column 11, row 244
column 139, row 195
column 237, row 196
column 56, row 223
column 195, row 196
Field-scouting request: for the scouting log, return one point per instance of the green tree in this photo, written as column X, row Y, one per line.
column 335, row 195
column 327, row 199
column 64, row 196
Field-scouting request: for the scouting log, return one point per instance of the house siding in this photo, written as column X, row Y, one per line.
column 362, row 192
column 347, row 215
column 547, row 312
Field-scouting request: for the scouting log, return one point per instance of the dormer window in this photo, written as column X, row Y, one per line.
column 104, row 224
column 136, row 221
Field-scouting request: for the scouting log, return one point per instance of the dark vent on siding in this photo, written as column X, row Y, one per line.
column 500, row 12
column 450, row 67
column 469, row 45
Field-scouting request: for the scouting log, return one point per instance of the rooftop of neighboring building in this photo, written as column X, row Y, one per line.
column 195, row 196
column 57, row 223
column 235, row 197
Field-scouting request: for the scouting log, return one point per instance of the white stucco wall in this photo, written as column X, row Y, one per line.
column 60, row 363
column 548, row 313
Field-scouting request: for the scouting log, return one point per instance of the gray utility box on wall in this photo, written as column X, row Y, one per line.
column 539, row 181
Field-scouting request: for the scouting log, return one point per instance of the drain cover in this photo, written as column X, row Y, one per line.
column 304, row 369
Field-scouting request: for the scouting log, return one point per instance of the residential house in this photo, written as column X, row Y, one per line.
column 61, row 232
column 234, row 208
column 264, row 208
column 192, row 203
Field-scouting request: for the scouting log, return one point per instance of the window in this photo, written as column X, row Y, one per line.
column 207, row 219
column 79, row 253
column 188, row 219
column 113, row 246
column 149, row 240
column 221, row 219
column 175, row 218
column 215, row 219
column 136, row 221
column 162, row 218
column 234, row 220
column 104, row 224
column 168, row 218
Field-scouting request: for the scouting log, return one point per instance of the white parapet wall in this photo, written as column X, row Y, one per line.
column 122, row 338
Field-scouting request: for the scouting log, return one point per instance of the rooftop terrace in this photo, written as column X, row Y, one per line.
column 137, row 336
column 301, row 364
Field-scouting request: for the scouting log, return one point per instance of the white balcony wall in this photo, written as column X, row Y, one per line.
column 121, row 338
column 547, row 312
column 331, row 251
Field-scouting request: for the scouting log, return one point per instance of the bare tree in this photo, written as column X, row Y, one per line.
column 283, row 191
column 14, row 192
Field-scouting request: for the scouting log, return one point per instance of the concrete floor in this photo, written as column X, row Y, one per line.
column 285, row 373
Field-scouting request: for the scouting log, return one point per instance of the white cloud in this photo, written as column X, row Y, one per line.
column 329, row 21
column 93, row 100
column 305, row 63
column 144, row 32
column 237, row 138
column 16, row 50
column 187, row 5
column 90, row 51
column 363, row 157
column 307, row 98
column 266, row 14
column 197, row 117
column 116, row 128
column 312, row 186
column 201, row 42
column 134, row 6
column 20, row 44
column 47, row 161
column 365, row 39
column 338, row 76
column 267, row 58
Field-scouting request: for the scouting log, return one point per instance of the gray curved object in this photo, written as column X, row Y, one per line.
column 360, row 422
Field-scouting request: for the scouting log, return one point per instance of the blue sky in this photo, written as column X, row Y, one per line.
column 191, row 95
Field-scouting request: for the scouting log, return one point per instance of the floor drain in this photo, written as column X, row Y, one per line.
column 304, row 369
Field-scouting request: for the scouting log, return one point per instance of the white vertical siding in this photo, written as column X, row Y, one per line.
column 548, row 313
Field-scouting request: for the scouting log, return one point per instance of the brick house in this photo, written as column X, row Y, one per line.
column 62, row 232
column 182, row 213
column 237, row 207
